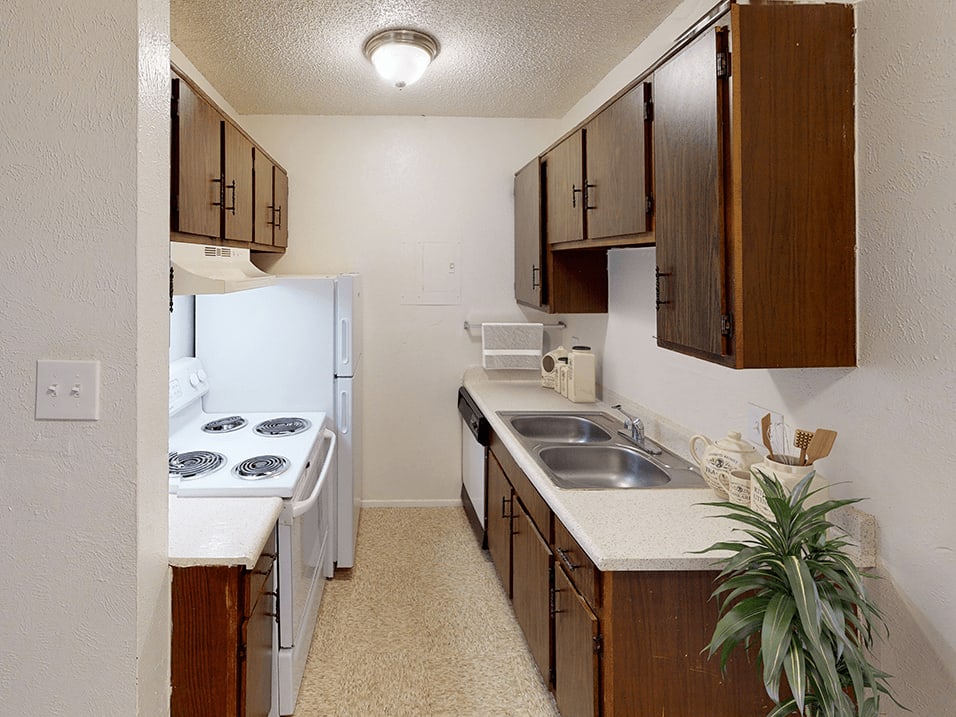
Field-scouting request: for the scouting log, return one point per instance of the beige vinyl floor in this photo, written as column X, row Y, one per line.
column 420, row 627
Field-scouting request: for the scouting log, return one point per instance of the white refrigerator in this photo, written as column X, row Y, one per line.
column 293, row 346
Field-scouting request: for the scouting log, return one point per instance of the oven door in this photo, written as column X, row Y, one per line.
column 306, row 529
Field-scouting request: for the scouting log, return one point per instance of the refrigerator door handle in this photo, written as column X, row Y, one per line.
column 345, row 421
column 346, row 342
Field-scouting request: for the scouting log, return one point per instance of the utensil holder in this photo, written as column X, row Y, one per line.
column 789, row 475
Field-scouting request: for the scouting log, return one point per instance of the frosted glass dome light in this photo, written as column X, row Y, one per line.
column 401, row 56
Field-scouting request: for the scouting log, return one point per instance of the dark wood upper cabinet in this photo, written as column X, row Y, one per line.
column 552, row 281
column 280, row 201
column 529, row 249
column 217, row 194
column 564, row 190
column 197, row 128
column 272, row 199
column 754, row 174
column 616, row 183
column 689, row 124
column 237, row 175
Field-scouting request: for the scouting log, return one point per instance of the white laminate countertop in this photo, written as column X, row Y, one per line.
column 220, row 531
column 626, row 529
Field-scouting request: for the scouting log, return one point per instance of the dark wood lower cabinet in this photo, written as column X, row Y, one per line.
column 531, row 588
column 499, row 522
column 222, row 649
column 577, row 647
column 610, row 644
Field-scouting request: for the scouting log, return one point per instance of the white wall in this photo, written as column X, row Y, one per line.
column 361, row 188
column 894, row 413
column 84, row 181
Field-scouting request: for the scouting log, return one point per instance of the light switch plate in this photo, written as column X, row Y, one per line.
column 68, row 390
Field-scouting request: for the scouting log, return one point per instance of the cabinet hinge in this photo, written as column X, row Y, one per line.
column 598, row 643
column 727, row 325
column 723, row 65
column 648, row 204
column 648, row 111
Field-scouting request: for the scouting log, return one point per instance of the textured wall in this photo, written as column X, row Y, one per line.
column 86, row 625
column 894, row 412
column 361, row 188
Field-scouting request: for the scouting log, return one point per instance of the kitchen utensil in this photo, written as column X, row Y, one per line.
column 765, row 433
column 728, row 454
column 788, row 475
column 801, row 439
column 820, row 445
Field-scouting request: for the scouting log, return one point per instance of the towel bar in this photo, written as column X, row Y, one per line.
column 559, row 325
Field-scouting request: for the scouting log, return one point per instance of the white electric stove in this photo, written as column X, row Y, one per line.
column 285, row 455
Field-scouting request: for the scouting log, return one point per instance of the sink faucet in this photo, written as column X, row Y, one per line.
column 636, row 427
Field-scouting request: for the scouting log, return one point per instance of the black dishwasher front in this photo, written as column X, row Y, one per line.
column 475, row 438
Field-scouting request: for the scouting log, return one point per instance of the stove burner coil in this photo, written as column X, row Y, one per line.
column 259, row 467
column 194, row 464
column 288, row 426
column 225, row 425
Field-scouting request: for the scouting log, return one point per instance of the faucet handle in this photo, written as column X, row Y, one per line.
column 629, row 418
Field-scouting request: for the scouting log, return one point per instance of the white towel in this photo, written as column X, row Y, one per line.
column 511, row 345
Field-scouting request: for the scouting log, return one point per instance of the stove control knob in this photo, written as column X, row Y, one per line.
column 193, row 380
column 202, row 376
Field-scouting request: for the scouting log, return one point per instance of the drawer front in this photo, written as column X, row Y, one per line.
column 537, row 509
column 258, row 576
column 576, row 563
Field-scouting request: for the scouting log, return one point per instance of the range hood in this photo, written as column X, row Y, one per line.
column 203, row 269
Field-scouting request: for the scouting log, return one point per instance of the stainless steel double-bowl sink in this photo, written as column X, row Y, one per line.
column 589, row 451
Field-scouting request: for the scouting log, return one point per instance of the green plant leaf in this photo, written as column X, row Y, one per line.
column 742, row 620
column 775, row 635
column 804, row 595
column 796, row 670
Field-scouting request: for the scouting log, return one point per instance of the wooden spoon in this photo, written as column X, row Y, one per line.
column 765, row 433
column 820, row 445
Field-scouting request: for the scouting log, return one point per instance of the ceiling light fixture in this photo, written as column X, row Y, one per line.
column 401, row 56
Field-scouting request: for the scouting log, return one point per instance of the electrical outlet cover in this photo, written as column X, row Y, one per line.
column 754, row 415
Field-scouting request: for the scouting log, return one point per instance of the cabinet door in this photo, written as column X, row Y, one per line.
column 576, row 652
column 499, row 521
column 564, row 191
column 531, row 589
column 196, row 164
column 257, row 676
column 529, row 264
column 616, row 171
column 689, row 113
column 238, row 184
column 264, row 214
column 280, row 199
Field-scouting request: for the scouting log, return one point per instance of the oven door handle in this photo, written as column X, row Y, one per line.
column 303, row 506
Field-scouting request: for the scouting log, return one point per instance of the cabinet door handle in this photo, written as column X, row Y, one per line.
column 554, row 601
column 278, row 211
column 587, row 196
column 233, row 188
column 574, row 196
column 657, row 287
column 566, row 560
column 504, row 500
column 222, row 192
column 535, row 284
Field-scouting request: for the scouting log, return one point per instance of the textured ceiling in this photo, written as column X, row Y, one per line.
column 499, row 58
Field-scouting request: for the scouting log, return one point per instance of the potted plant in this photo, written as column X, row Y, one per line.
column 793, row 589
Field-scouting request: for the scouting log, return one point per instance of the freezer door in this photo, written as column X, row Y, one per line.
column 348, row 324
column 348, row 423
column 269, row 349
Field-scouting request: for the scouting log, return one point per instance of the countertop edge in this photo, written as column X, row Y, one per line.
column 226, row 532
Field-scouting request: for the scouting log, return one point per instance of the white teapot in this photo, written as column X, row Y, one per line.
column 716, row 459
